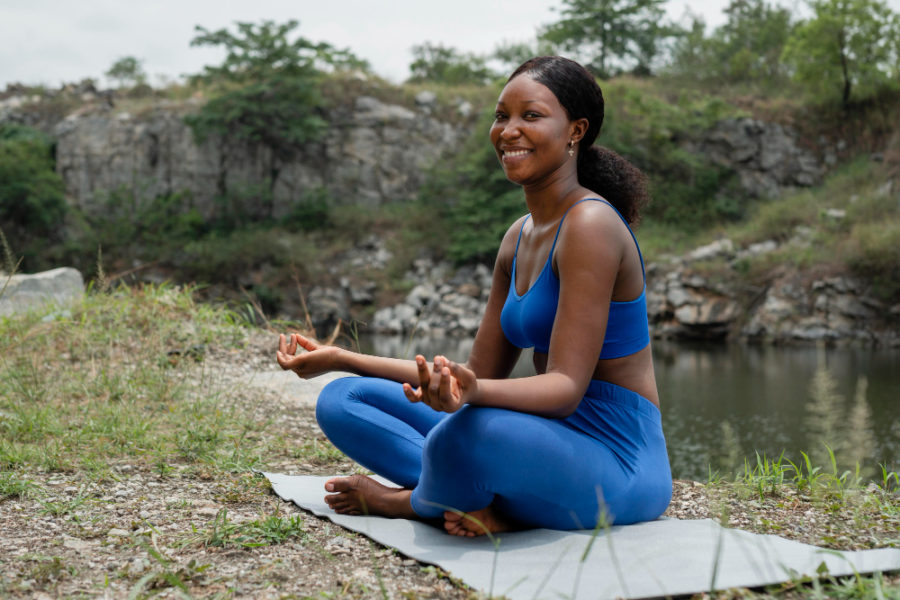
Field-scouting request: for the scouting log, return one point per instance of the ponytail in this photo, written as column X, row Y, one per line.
column 609, row 174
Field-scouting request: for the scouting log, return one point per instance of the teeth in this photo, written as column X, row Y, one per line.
column 516, row 152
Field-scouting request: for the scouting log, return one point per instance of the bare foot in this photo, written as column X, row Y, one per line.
column 361, row 495
column 476, row 522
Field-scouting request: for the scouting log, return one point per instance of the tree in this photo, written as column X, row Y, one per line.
column 127, row 71
column 265, row 92
column 441, row 64
column 512, row 54
column 605, row 34
column 848, row 49
column 747, row 48
column 32, row 196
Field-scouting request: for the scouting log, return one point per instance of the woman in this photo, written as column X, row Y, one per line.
column 580, row 442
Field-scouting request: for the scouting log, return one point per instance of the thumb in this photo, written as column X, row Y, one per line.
column 460, row 372
column 306, row 343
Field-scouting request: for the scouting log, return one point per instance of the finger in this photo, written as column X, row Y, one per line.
column 434, row 384
column 306, row 343
column 289, row 362
column 444, row 391
column 410, row 393
column 422, row 367
column 292, row 347
column 282, row 344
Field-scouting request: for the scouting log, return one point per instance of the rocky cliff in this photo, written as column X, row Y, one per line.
column 372, row 153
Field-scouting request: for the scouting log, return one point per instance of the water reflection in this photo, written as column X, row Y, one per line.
column 722, row 404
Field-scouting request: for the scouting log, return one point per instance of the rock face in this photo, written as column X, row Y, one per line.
column 765, row 156
column 682, row 303
column 28, row 292
column 372, row 153
column 441, row 303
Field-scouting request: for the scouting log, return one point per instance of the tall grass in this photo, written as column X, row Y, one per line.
column 118, row 378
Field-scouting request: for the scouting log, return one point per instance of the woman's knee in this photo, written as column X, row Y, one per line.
column 466, row 434
column 332, row 403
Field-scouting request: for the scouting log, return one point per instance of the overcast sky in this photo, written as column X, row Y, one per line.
column 54, row 41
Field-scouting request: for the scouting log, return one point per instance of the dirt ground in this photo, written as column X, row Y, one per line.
column 181, row 530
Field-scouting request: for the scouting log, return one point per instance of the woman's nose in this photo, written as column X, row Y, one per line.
column 510, row 130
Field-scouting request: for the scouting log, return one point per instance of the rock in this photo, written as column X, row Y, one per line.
column 426, row 100
column 30, row 292
column 765, row 156
column 754, row 250
column 723, row 247
column 117, row 533
column 372, row 153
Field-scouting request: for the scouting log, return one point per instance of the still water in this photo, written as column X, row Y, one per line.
column 722, row 404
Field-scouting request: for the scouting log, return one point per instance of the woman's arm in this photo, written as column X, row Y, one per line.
column 589, row 255
column 492, row 356
column 320, row 359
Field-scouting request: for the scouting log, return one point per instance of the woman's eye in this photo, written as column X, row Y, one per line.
column 498, row 116
column 531, row 115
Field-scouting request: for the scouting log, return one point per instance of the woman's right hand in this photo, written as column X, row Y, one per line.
column 317, row 360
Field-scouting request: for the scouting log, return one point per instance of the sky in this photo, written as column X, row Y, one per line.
column 54, row 41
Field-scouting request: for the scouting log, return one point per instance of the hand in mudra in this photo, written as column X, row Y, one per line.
column 317, row 359
column 447, row 387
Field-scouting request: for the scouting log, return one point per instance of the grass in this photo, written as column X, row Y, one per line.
column 267, row 530
column 101, row 385
column 130, row 378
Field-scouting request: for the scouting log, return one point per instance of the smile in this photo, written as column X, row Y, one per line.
column 514, row 153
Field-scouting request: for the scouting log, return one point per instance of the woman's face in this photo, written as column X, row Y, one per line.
column 531, row 131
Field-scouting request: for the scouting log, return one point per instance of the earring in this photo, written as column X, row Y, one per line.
column 571, row 147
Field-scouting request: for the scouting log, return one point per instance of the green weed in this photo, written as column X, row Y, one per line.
column 268, row 530
column 12, row 485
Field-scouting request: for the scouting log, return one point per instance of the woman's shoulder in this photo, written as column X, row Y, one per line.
column 595, row 224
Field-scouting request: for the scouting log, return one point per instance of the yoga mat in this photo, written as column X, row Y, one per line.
column 660, row 558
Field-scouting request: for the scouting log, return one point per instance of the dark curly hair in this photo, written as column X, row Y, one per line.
column 599, row 169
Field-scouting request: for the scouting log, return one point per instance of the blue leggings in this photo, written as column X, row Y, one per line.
column 608, row 458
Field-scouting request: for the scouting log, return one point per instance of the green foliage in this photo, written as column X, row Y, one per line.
column 746, row 49
column 513, row 54
column 445, row 65
column 875, row 255
column 848, row 51
column 32, row 200
column 128, row 71
column 266, row 91
column 688, row 190
column 472, row 199
column 271, row 529
column 607, row 35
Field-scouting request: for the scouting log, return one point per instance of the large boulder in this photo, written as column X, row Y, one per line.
column 30, row 292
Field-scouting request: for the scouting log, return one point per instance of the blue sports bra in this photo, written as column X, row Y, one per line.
column 527, row 320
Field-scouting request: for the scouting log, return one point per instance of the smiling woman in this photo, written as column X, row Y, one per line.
column 579, row 443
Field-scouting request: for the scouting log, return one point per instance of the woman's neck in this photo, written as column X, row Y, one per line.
column 550, row 198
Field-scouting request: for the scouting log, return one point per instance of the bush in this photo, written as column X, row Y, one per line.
column 874, row 253
column 32, row 199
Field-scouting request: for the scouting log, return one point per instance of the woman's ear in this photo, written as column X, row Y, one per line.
column 577, row 129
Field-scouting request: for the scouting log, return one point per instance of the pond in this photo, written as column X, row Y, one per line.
column 724, row 403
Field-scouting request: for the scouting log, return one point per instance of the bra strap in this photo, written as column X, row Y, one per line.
column 607, row 202
column 559, row 227
column 520, row 235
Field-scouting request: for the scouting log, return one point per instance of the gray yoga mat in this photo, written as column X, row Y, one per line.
column 661, row 558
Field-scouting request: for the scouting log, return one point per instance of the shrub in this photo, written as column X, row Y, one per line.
column 874, row 252
column 32, row 200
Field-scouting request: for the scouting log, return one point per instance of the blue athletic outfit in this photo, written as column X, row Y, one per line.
column 607, row 458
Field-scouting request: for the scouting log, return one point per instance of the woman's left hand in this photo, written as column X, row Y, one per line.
column 446, row 387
